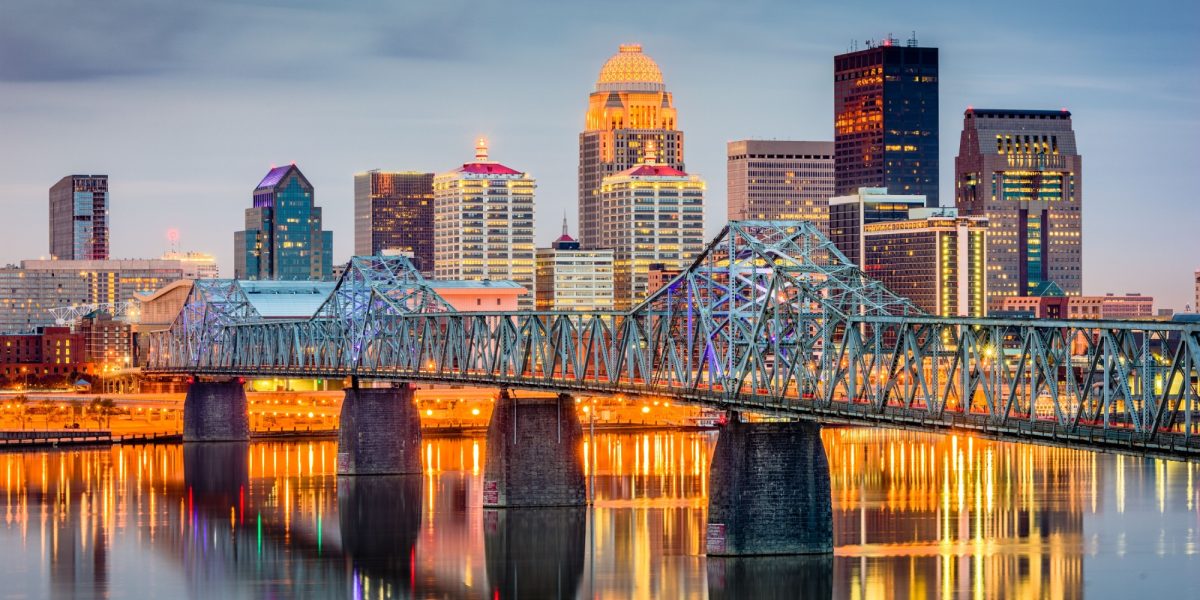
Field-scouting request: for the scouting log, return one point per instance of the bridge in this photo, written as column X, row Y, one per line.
column 770, row 319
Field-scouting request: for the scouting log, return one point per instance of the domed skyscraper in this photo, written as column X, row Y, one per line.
column 629, row 107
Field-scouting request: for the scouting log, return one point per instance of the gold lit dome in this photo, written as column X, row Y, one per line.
column 630, row 70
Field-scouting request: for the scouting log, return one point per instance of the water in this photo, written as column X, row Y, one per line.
column 915, row 516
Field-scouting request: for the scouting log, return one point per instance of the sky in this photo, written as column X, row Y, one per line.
column 186, row 105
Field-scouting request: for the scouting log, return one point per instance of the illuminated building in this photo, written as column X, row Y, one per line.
column 1020, row 169
column 196, row 265
column 1106, row 307
column 934, row 258
column 629, row 107
column 849, row 215
column 570, row 278
column 652, row 213
column 780, row 180
column 1129, row 306
column 660, row 275
column 79, row 218
column 107, row 342
column 468, row 295
column 394, row 211
column 885, row 102
column 47, row 353
column 29, row 291
column 483, row 223
column 283, row 239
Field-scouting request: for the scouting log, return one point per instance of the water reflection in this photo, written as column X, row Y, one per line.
column 914, row 516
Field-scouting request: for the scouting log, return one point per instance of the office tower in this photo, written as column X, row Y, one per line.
column 394, row 211
column 79, row 218
column 283, row 239
column 571, row 278
column 629, row 107
column 483, row 223
column 849, row 215
column 652, row 213
column 885, row 102
column 934, row 258
column 1020, row 169
column 780, row 180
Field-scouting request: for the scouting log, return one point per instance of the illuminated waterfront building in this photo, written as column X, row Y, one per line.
column 483, row 223
column 283, row 239
column 780, row 180
column 1020, row 169
column 934, row 258
column 49, row 353
column 107, row 342
column 885, row 101
column 849, row 215
column 394, row 211
column 652, row 213
column 79, row 218
column 570, row 278
column 629, row 108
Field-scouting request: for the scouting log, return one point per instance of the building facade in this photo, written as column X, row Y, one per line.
column 885, row 102
column 1021, row 170
column 283, row 239
column 571, row 278
column 394, row 211
column 196, row 265
column 849, row 215
column 934, row 258
column 46, row 356
column 107, row 342
column 652, row 213
column 29, row 291
column 629, row 108
column 483, row 223
column 79, row 218
column 780, row 180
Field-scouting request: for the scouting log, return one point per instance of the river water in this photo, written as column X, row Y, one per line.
column 915, row 516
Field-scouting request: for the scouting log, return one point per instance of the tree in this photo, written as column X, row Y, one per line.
column 103, row 409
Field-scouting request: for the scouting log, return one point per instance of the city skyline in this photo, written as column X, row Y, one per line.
column 146, row 111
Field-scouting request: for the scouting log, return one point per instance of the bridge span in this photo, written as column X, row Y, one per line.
column 771, row 318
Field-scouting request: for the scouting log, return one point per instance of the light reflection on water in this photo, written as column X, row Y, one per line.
column 915, row 516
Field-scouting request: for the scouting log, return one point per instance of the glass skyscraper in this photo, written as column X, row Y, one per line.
column 394, row 211
column 79, row 218
column 885, row 101
column 283, row 239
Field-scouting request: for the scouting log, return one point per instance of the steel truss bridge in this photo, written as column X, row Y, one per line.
column 770, row 318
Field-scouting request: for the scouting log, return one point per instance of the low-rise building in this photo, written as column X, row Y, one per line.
column 570, row 278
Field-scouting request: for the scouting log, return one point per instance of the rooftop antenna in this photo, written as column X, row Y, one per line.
column 912, row 41
column 564, row 222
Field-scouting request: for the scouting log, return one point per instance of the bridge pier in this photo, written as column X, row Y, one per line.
column 379, row 432
column 533, row 454
column 769, row 491
column 215, row 411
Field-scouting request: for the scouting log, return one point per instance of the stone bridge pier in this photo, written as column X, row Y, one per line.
column 379, row 432
column 534, row 454
column 769, row 491
column 215, row 411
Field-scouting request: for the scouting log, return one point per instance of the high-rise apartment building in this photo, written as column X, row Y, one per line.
column 934, row 258
column 849, row 216
column 629, row 108
column 394, row 211
column 1021, row 170
column 283, row 239
column 483, row 223
column 780, row 180
column 571, row 278
column 652, row 213
column 79, row 218
column 885, row 102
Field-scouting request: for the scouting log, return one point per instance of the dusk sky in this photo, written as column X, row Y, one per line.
column 186, row 105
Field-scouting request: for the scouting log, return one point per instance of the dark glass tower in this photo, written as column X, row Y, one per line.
column 79, row 218
column 885, row 102
column 283, row 238
column 394, row 211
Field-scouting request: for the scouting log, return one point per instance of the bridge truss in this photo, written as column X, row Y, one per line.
column 771, row 317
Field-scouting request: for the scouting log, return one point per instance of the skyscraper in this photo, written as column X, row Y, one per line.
column 570, row 278
column 885, row 102
column 780, row 180
column 1020, row 169
column 79, row 218
column 483, row 223
column 629, row 107
column 283, row 238
column 849, row 216
column 394, row 211
column 652, row 213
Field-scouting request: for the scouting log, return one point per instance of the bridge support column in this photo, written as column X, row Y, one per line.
column 215, row 411
column 533, row 454
column 769, row 491
column 379, row 432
